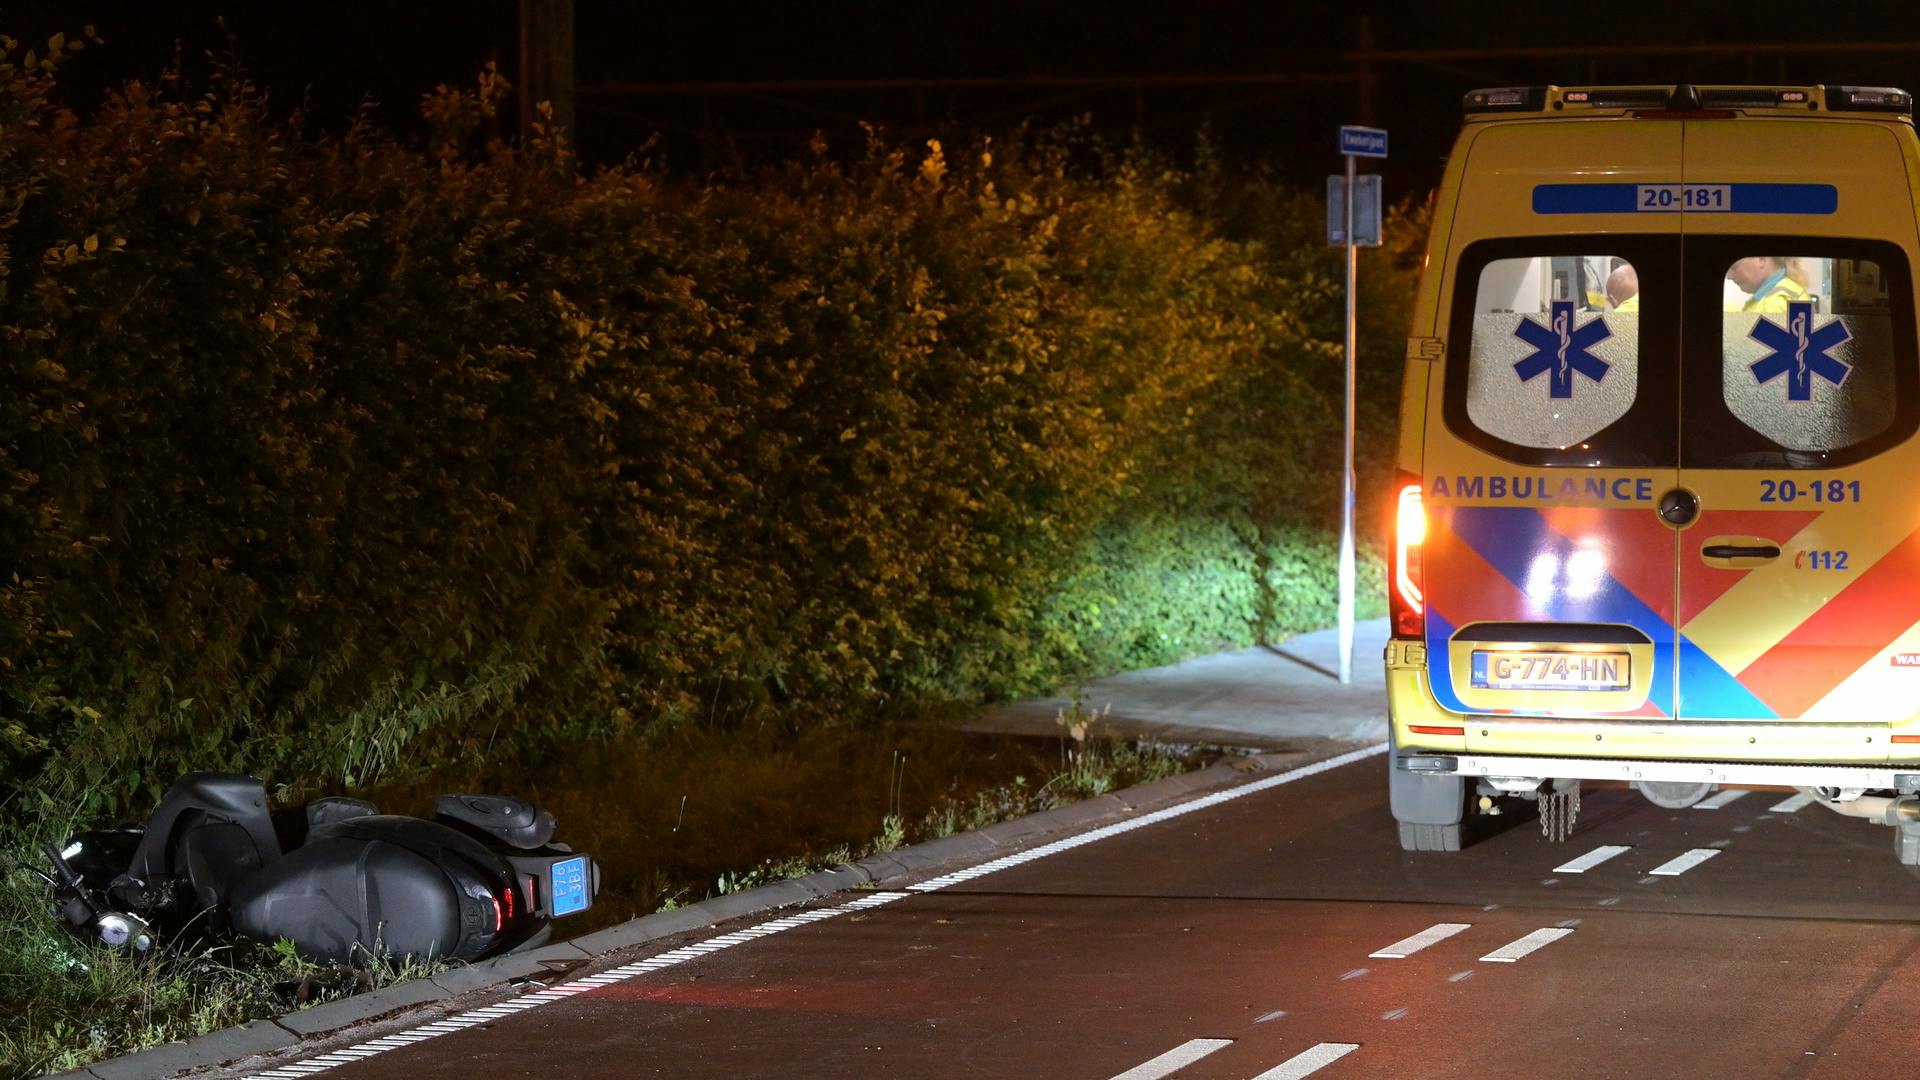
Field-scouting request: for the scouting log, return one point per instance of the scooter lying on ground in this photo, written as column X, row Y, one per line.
column 339, row 879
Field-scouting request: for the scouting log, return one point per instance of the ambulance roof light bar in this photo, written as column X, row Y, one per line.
column 1507, row 99
column 1683, row 98
column 1870, row 99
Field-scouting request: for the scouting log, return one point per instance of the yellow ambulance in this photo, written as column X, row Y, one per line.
column 1656, row 513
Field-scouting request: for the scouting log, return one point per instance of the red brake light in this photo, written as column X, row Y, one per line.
column 1405, row 598
column 498, row 921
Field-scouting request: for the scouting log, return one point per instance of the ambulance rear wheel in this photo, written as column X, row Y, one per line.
column 1429, row 837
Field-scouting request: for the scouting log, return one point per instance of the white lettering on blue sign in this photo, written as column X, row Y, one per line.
column 1692, row 198
column 1363, row 141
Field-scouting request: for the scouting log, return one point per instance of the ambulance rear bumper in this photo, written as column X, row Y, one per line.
column 1904, row 778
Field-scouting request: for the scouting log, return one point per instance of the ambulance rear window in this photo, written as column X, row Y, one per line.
column 1816, row 353
column 1806, row 349
column 1553, row 362
column 1553, row 359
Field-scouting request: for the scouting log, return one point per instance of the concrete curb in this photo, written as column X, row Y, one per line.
column 886, row 870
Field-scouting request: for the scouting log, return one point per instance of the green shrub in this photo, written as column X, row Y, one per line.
column 327, row 455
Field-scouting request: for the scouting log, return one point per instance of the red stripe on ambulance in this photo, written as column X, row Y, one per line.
column 1842, row 636
column 1469, row 585
column 1630, row 540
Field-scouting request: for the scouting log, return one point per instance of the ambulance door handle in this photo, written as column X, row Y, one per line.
column 1740, row 551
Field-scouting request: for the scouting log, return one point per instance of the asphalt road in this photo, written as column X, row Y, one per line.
column 1245, row 939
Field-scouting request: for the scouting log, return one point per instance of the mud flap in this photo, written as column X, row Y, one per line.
column 1906, row 844
column 1428, row 808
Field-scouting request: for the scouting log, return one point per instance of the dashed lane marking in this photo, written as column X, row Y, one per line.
column 1309, row 1061
column 1532, row 943
column 1174, row 1060
column 1791, row 805
column 460, row 1022
column 1678, row 865
column 1720, row 800
column 1592, row 859
column 1434, row 934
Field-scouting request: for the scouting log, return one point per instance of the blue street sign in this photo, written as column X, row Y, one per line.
column 1363, row 141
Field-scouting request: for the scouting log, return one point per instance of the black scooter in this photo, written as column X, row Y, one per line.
column 342, row 881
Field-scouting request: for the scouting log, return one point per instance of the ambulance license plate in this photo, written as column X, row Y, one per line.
column 1520, row 670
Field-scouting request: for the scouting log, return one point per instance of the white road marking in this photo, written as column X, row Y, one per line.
column 549, row 994
column 1591, row 859
column 1174, row 1060
column 1676, row 866
column 1309, row 1061
column 1514, row 950
column 1434, row 934
column 1720, row 800
column 1120, row 827
column 674, row 957
column 1790, row 806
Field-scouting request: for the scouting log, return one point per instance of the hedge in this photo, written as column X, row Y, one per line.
column 326, row 454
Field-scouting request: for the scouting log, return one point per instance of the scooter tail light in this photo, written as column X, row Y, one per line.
column 1406, row 600
column 499, row 920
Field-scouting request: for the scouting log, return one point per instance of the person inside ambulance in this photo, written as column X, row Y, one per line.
column 1623, row 288
column 1768, row 285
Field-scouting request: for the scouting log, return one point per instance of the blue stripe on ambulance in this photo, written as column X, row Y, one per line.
column 1439, row 674
column 1630, row 198
column 1709, row 692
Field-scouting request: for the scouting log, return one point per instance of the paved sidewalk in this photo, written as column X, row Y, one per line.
column 1266, row 697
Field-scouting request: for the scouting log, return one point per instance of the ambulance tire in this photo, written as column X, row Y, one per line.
column 1428, row 809
column 1429, row 837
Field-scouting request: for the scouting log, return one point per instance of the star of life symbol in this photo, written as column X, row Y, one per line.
column 1562, row 349
column 1799, row 351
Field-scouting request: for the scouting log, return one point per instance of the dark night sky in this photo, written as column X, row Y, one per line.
column 337, row 53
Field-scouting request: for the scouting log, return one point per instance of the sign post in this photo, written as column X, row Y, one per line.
column 1354, row 142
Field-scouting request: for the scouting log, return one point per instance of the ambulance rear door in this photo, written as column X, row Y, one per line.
column 1799, row 575
column 1552, row 433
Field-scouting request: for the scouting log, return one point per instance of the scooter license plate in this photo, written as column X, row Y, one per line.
column 567, row 886
column 1503, row 669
